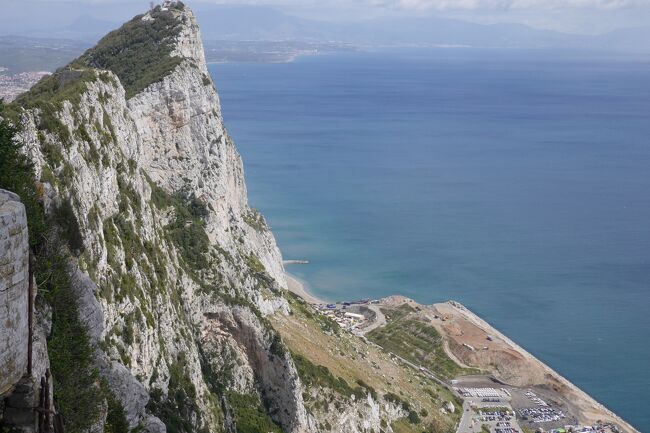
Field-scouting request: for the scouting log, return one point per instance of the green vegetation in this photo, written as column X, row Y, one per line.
column 190, row 237
column 119, row 234
column 116, row 416
column 254, row 263
column 368, row 388
column 17, row 175
column 187, row 231
column 397, row 313
column 413, row 417
column 179, row 408
column 139, row 52
column 77, row 395
column 418, row 342
column 76, row 392
column 298, row 306
column 319, row 376
column 397, row 400
column 250, row 415
column 255, row 219
column 403, row 425
column 48, row 96
column 501, row 409
column 52, row 90
column 66, row 220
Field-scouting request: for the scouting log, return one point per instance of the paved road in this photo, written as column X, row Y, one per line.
column 465, row 425
column 380, row 319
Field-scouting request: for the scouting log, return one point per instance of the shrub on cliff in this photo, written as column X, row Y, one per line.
column 77, row 396
column 17, row 175
column 139, row 52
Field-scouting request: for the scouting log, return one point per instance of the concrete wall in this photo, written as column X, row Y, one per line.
column 14, row 274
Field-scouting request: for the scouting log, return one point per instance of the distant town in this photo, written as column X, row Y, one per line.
column 12, row 85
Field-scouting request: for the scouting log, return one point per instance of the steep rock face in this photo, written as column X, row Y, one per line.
column 14, row 274
column 188, row 149
column 353, row 415
column 166, row 240
column 23, row 389
column 267, row 361
column 373, row 412
column 175, row 276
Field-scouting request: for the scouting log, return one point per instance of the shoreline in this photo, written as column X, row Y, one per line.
column 301, row 288
column 590, row 409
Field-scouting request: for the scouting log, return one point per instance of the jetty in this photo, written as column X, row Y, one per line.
column 295, row 262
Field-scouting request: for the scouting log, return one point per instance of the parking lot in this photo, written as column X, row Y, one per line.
column 537, row 409
column 488, row 407
column 531, row 407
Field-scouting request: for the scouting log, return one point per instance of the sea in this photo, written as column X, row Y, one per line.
column 516, row 182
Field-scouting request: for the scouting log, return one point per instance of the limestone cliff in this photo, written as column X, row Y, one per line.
column 166, row 242
column 13, row 290
column 173, row 275
column 24, row 380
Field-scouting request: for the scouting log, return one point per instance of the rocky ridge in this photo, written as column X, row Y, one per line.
column 173, row 274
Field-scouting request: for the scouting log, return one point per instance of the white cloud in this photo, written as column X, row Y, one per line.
column 505, row 5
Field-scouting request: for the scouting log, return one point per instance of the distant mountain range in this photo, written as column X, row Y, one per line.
column 24, row 54
column 263, row 23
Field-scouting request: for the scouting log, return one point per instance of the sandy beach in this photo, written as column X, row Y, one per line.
column 300, row 288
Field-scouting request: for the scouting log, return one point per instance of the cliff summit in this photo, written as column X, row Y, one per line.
column 161, row 301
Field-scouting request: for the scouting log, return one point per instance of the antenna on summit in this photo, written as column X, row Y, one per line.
column 151, row 5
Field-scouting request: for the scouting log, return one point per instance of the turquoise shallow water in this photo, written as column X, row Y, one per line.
column 514, row 182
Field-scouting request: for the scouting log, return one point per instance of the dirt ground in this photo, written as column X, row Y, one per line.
column 353, row 358
column 473, row 342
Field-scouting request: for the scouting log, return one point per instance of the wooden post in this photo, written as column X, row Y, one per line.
column 42, row 406
column 45, row 409
column 48, row 403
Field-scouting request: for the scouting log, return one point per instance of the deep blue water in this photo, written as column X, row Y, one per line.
column 517, row 183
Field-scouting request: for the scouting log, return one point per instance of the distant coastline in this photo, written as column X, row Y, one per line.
column 220, row 51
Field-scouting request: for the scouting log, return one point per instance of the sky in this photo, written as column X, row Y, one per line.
column 576, row 16
column 572, row 16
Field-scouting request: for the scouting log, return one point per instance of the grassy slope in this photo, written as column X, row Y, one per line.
column 139, row 52
column 416, row 340
column 352, row 359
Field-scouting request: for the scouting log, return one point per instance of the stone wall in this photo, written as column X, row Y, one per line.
column 14, row 274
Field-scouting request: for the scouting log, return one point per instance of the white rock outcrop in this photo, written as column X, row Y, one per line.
column 147, row 177
column 23, row 390
column 14, row 295
column 173, row 272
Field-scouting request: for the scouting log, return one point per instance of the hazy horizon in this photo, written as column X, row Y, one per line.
column 616, row 25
